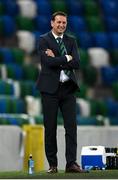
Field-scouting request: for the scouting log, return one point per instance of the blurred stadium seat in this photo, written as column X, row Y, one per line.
column 102, row 40
column 85, row 40
column 77, row 24
column 98, row 57
column 58, row 5
column 10, row 7
column 114, row 40
column 75, row 7
column 8, row 22
column 95, row 25
column 108, row 75
column 27, row 8
column 109, row 7
column 43, row 7
column 42, row 23
column 26, row 41
column 91, row 7
column 111, row 23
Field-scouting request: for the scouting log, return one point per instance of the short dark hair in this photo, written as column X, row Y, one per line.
column 61, row 13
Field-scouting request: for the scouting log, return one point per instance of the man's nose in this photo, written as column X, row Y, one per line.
column 62, row 24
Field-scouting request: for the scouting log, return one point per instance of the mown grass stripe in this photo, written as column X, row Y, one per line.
column 93, row 174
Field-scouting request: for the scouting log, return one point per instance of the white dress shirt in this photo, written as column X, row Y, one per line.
column 63, row 76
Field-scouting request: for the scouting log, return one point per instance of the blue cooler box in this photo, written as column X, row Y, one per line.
column 93, row 157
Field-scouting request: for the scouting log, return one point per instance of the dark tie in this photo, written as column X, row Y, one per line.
column 62, row 47
column 62, row 50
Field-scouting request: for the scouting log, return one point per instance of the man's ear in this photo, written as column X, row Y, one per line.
column 51, row 23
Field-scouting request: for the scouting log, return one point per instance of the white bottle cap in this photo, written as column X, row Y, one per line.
column 30, row 155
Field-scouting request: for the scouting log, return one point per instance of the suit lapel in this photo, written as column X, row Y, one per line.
column 66, row 42
column 53, row 42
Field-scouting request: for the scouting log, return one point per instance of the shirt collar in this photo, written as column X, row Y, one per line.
column 55, row 36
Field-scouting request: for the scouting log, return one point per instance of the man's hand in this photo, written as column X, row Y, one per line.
column 69, row 57
column 49, row 52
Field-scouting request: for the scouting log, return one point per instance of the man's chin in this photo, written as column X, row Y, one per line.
column 60, row 32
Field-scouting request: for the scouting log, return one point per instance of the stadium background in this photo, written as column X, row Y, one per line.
column 95, row 25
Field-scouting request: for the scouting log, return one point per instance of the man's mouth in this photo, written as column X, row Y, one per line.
column 61, row 29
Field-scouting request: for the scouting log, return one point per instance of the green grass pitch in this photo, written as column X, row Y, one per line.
column 93, row 174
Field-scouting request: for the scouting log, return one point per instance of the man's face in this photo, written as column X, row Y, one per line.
column 59, row 24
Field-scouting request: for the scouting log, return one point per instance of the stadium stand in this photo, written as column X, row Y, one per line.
column 95, row 25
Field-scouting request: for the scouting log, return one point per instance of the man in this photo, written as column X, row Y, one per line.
column 57, row 83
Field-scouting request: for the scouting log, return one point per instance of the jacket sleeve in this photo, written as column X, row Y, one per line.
column 47, row 60
column 74, row 64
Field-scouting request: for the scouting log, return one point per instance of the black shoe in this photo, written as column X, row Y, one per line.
column 75, row 168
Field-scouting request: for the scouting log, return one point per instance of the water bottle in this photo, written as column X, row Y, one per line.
column 30, row 165
column 88, row 167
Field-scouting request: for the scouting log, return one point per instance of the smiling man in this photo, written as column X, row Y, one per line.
column 57, row 83
column 59, row 24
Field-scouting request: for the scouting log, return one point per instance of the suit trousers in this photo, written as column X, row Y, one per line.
column 64, row 99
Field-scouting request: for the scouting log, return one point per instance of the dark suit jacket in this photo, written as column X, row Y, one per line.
column 48, row 79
